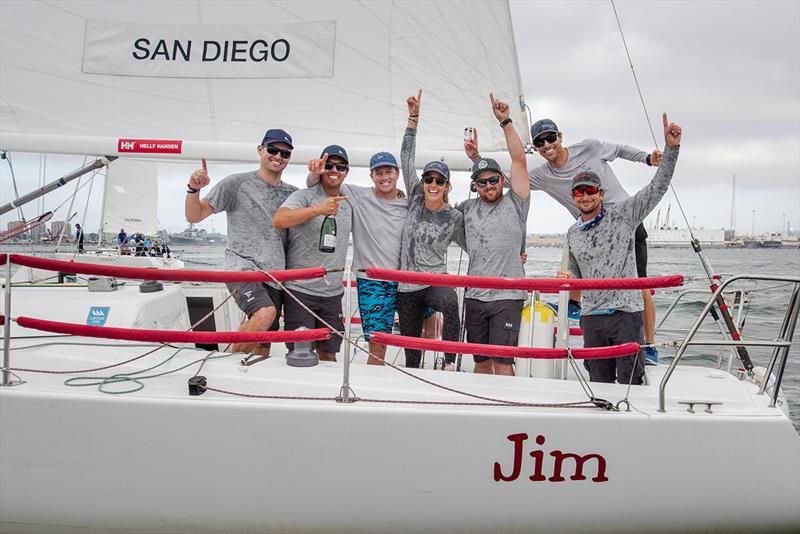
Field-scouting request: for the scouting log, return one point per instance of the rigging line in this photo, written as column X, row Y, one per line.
column 647, row 115
column 71, row 204
column 7, row 156
column 399, row 369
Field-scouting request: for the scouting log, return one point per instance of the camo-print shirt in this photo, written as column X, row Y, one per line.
column 426, row 234
column 607, row 249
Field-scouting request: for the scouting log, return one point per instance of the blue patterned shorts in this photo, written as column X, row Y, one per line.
column 377, row 301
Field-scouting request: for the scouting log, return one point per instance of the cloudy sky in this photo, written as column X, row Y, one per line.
column 728, row 72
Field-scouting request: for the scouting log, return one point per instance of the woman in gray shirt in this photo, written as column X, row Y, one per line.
column 430, row 227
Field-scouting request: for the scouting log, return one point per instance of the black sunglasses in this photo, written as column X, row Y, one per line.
column 481, row 182
column 341, row 167
column 551, row 137
column 285, row 154
column 428, row 180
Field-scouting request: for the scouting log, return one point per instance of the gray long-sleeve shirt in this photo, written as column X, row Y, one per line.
column 588, row 155
column 607, row 249
column 426, row 233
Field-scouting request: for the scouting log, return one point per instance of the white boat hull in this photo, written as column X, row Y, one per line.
column 160, row 460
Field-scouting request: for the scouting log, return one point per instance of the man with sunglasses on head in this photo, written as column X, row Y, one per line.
column 493, row 316
column 303, row 214
column 379, row 213
column 601, row 245
column 555, row 176
column 249, row 201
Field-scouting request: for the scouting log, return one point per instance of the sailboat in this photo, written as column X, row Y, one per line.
column 198, row 443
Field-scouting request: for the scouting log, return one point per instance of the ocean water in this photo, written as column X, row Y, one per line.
column 766, row 307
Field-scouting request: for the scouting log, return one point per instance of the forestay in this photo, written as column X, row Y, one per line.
column 184, row 79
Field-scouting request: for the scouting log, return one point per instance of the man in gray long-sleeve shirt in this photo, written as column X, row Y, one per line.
column 554, row 177
column 601, row 245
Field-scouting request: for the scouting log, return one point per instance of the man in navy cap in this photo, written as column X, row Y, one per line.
column 249, row 201
column 303, row 214
column 494, row 224
column 554, row 177
column 379, row 213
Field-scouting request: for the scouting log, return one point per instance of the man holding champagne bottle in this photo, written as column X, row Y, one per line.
column 318, row 220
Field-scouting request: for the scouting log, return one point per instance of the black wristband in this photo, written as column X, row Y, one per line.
column 504, row 122
column 649, row 164
column 575, row 303
column 191, row 189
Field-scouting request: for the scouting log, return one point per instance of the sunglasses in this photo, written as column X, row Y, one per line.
column 481, row 182
column 428, row 180
column 551, row 137
column 341, row 167
column 285, row 154
column 586, row 190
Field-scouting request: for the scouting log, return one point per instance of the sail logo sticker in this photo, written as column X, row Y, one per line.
column 285, row 50
column 98, row 315
column 150, row 146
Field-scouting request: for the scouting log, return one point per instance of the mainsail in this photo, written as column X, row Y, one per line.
column 182, row 79
column 129, row 198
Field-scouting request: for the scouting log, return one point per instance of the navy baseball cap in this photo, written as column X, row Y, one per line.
column 335, row 150
column 382, row 159
column 485, row 164
column 586, row 178
column 277, row 136
column 437, row 166
column 542, row 126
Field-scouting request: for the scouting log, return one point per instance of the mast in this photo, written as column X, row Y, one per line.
column 733, row 208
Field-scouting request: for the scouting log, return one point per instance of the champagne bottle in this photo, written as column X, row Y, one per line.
column 327, row 235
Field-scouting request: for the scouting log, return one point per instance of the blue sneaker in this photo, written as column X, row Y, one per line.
column 650, row 356
column 573, row 309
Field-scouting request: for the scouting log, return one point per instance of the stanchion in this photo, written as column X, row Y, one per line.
column 6, row 372
column 562, row 336
column 345, row 393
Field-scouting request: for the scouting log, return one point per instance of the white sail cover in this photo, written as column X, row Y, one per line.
column 129, row 198
column 225, row 71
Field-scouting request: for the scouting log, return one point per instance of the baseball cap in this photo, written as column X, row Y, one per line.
column 485, row 164
column 335, row 150
column 437, row 166
column 586, row 178
column 277, row 136
column 541, row 126
column 382, row 159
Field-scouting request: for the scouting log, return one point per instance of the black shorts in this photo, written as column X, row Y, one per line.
column 252, row 296
column 615, row 329
column 328, row 308
column 494, row 322
column 640, row 248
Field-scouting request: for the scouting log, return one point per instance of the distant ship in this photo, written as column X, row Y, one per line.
column 196, row 236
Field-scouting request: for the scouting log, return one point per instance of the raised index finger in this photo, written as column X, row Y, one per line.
column 205, row 167
column 491, row 98
column 666, row 122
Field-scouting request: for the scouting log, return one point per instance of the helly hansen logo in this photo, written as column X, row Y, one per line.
column 508, row 325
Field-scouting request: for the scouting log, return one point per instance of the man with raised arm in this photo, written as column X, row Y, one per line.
column 303, row 214
column 554, row 177
column 249, row 201
column 379, row 213
column 601, row 245
column 495, row 226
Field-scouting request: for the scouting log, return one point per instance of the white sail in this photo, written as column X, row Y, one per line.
column 326, row 71
column 129, row 198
